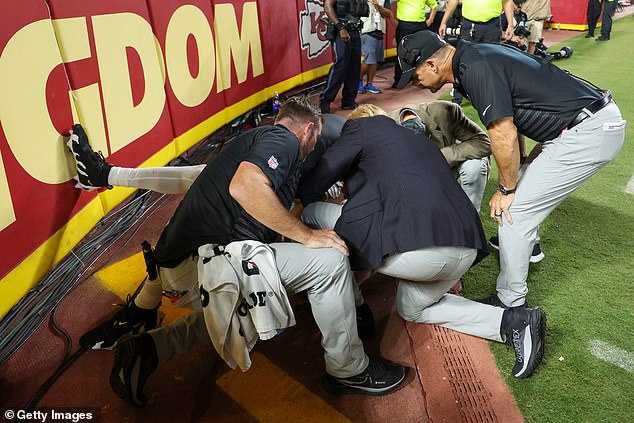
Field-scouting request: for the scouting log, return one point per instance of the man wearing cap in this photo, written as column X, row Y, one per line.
column 579, row 126
column 411, row 18
column 480, row 23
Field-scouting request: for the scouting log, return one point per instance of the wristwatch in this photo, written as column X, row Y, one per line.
column 505, row 191
column 340, row 26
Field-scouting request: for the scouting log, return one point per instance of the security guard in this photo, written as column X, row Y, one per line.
column 578, row 125
column 345, row 15
column 480, row 23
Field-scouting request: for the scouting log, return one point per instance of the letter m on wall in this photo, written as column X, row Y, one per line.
column 235, row 46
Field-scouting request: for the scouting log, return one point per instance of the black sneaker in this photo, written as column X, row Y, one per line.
column 129, row 320
column 525, row 330
column 134, row 361
column 350, row 106
column 602, row 38
column 590, row 35
column 379, row 378
column 536, row 255
column 495, row 301
column 365, row 322
column 92, row 168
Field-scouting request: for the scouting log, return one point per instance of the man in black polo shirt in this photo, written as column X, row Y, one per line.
column 578, row 125
column 480, row 23
column 245, row 194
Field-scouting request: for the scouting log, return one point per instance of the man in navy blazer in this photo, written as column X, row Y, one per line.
column 406, row 217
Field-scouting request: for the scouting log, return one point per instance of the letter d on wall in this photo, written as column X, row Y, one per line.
column 113, row 34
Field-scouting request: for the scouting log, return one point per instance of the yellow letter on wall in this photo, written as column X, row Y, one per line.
column 186, row 20
column 113, row 33
column 25, row 65
column 231, row 43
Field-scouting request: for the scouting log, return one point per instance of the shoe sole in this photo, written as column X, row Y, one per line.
column 78, row 184
column 537, row 326
column 537, row 258
column 121, row 373
column 341, row 389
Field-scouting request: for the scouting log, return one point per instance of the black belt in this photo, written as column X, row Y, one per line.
column 591, row 109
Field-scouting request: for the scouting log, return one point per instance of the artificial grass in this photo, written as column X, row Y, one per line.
column 585, row 282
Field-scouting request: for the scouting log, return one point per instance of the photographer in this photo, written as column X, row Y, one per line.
column 520, row 24
column 537, row 12
column 345, row 17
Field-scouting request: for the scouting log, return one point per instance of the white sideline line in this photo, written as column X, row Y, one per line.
column 630, row 186
column 611, row 354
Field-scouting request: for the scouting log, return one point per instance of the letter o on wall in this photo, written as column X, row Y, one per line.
column 186, row 20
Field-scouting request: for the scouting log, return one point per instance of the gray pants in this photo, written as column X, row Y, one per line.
column 563, row 165
column 326, row 277
column 424, row 277
column 473, row 179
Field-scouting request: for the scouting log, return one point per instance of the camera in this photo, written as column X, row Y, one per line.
column 453, row 32
column 521, row 25
column 542, row 51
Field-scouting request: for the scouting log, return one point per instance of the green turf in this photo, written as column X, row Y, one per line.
column 585, row 282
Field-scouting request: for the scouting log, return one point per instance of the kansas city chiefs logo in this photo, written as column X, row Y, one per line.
column 312, row 31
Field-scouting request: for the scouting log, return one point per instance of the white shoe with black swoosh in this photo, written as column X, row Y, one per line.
column 379, row 378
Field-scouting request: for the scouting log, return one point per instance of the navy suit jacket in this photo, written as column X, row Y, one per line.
column 402, row 195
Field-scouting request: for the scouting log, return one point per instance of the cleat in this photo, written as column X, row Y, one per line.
column 129, row 320
column 92, row 168
column 379, row 378
column 134, row 361
column 525, row 332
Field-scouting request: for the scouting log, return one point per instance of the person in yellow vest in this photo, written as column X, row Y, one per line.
column 411, row 18
column 537, row 12
column 480, row 23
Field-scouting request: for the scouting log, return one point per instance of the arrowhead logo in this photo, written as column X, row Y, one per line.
column 311, row 29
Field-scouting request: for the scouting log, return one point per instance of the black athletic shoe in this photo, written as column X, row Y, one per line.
column 379, row 378
column 92, row 168
column 350, row 106
column 525, row 332
column 590, row 35
column 536, row 255
column 602, row 38
column 134, row 361
column 365, row 322
column 495, row 301
column 129, row 320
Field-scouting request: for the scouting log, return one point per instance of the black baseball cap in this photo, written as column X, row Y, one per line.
column 413, row 50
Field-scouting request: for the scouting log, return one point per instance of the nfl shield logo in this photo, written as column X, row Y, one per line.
column 273, row 163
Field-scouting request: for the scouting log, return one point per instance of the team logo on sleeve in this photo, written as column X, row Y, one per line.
column 273, row 163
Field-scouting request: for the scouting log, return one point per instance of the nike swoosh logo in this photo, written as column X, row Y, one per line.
column 485, row 110
column 352, row 383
